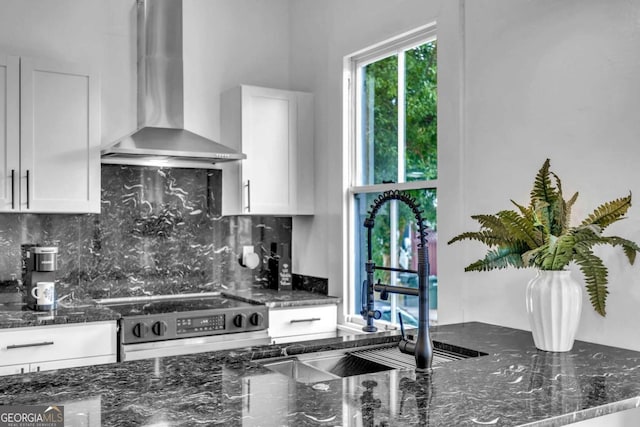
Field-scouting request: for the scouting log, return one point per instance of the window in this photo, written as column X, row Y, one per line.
column 393, row 128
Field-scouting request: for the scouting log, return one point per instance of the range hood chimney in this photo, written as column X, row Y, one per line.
column 161, row 139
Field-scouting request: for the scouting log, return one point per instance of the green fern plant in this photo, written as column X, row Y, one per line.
column 540, row 236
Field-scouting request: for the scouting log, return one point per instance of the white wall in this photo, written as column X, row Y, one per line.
column 550, row 78
column 95, row 32
column 539, row 79
column 324, row 33
column 558, row 80
column 228, row 43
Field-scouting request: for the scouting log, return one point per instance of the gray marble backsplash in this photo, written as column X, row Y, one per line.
column 159, row 232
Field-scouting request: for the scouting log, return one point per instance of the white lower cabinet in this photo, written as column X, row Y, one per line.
column 43, row 348
column 83, row 413
column 630, row 417
column 274, row 411
column 14, row 369
column 302, row 323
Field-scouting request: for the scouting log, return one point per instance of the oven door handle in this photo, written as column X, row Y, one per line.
column 193, row 345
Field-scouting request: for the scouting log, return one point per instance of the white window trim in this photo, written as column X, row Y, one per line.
column 404, row 41
column 430, row 184
column 352, row 65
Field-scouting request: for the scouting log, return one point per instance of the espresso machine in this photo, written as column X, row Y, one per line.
column 39, row 266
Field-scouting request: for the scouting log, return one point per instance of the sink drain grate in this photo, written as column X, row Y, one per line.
column 393, row 357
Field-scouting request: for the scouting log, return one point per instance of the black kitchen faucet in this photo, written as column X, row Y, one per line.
column 422, row 348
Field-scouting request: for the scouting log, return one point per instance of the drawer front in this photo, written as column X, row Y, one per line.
column 302, row 320
column 49, row 343
column 72, row 363
column 14, row 369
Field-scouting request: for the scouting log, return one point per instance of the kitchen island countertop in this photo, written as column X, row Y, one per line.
column 514, row 384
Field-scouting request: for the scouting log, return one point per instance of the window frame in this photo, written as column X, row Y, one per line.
column 353, row 66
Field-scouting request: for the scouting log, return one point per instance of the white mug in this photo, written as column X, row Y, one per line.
column 44, row 292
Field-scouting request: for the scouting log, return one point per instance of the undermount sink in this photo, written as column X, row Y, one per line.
column 323, row 367
column 329, row 365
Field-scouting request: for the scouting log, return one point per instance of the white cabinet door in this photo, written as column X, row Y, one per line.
column 274, row 128
column 269, row 143
column 630, row 417
column 14, row 369
column 59, row 138
column 72, row 363
column 83, row 413
column 9, row 132
column 49, row 137
column 274, row 411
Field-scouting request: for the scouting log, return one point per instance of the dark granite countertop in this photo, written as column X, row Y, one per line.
column 514, row 384
column 273, row 298
column 17, row 315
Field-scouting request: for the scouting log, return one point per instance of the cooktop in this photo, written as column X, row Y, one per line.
column 160, row 306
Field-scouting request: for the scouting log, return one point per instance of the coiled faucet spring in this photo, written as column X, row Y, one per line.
column 422, row 348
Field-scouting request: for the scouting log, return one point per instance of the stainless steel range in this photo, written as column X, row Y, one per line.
column 171, row 325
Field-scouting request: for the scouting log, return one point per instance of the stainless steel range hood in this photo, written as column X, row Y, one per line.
column 161, row 139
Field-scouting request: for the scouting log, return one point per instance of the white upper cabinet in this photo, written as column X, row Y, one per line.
column 274, row 128
column 49, row 127
column 9, row 132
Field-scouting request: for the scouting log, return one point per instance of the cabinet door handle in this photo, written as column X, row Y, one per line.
column 27, row 188
column 311, row 319
column 35, row 344
column 13, row 188
column 248, row 195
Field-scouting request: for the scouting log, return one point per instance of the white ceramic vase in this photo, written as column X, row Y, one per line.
column 554, row 305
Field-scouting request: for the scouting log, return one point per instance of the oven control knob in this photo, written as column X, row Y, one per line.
column 140, row 330
column 239, row 320
column 256, row 319
column 159, row 328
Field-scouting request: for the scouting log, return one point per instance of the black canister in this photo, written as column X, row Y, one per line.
column 274, row 278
